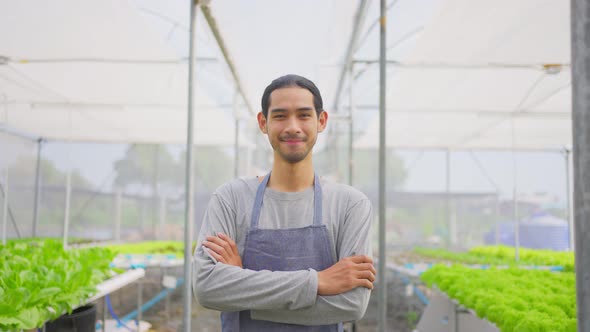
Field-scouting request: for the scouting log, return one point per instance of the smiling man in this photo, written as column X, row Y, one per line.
column 287, row 251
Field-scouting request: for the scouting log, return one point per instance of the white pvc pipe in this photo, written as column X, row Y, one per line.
column 117, row 282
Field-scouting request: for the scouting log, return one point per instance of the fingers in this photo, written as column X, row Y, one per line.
column 365, row 283
column 223, row 249
column 220, row 242
column 231, row 242
column 361, row 259
column 362, row 262
column 368, row 275
column 211, row 245
column 221, row 246
column 217, row 256
column 367, row 267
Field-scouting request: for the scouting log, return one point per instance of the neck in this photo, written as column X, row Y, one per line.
column 288, row 177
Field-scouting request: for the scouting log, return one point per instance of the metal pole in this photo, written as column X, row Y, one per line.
column 5, row 207
column 68, row 187
column 162, row 218
column 37, row 188
column 359, row 19
column 515, row 208
column 118, row 207
column 236, row 135
column 141, row 202
column 139, row 301
column 67, row 207
column 497, row 201
column 382, row 326
column 450, row 220
column 350, row 123
column 155, row 191
column 497, row 216
column 167, row 300
column 104, row 313
column 188, row 217
column 568, row 197
column 208, row 15
column 580, row 17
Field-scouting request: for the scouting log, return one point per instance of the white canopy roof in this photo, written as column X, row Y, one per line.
column 473, row 73
column 96, row 71
column 483, row 74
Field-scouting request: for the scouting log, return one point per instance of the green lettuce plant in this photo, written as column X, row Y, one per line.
column 39, row 281
column 504, row 255
column 516, row 300
column 150, row 247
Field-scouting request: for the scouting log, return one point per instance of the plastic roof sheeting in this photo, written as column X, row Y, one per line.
column 483, row 74
column 469, row 74
column 95, row 71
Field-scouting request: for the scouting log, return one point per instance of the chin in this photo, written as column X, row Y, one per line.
column 293, row 158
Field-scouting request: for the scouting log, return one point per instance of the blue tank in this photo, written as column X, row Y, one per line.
column 540, row 231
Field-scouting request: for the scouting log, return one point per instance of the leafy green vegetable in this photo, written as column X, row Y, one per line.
column 504, row 255
column 516, row 300
column 39, row 280
column 150, row 247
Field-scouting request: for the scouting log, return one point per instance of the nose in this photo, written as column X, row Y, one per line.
column 292, row 126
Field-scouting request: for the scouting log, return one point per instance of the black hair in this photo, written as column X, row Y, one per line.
column 292, row 80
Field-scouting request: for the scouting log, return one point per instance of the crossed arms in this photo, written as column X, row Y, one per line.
column 307, row 297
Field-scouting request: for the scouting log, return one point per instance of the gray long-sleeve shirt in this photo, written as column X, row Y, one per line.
column 281, row 296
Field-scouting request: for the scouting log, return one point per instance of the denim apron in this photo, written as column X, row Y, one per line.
column 289, row 249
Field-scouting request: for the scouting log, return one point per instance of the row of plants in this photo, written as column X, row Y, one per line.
column 39, row 280
column 150, row 247
column 504, row 255
column 514, row 299
column 71, row 240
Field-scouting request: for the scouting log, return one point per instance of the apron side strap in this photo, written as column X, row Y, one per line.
column 258, row 202
column 317, row 201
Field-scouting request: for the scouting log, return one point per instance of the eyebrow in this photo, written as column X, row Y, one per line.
column 282, row 110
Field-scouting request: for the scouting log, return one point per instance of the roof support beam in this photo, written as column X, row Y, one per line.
column 356, row 30
column 217, row 34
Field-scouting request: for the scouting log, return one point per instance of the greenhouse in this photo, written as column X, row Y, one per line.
column 464, row 125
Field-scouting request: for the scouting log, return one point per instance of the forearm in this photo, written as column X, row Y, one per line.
column 228, row 288
column 344, row 307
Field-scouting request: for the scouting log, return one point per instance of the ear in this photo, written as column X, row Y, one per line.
column 322, row 121
column 261, row 122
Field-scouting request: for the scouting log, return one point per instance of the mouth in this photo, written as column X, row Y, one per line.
column 292, row 140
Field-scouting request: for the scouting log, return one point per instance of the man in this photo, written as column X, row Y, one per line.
column 300, row 260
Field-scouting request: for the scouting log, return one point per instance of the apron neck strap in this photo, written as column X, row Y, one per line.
column 317, row 202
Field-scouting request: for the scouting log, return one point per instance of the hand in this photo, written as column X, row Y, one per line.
column 223, row 249
column 349, row 273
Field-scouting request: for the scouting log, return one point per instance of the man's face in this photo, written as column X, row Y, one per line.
column 292, row 123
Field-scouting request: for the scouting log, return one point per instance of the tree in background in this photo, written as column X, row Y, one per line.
column 22, row 175
column 147, row 166
column 366, row 169
column 212, row 167
column 154, row 167
column 23, row 171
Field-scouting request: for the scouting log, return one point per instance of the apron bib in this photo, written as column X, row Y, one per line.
column 288, row 249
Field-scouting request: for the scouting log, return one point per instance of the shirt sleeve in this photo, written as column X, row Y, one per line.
column 229, row 288
column 354, row 240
